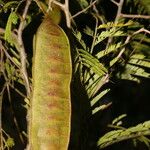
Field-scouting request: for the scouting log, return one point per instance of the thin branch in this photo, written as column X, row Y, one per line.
column 135, row 16
column 9, row 57
column 16, row 90
column 1, row 99
column 119, row 14
column 85, row 9
column 14, row 38
column 94, row 37
column 2, row 31
column 1, row 136
column 65, row 8
column 67, row 13
column 129, row 37
column 104, row 80
column 120, row 5
column 58, row 4
column 116, row 127
column 116, row 3
column 122, row 51
column 142, row 30
column 22, row 49
column 13, row 113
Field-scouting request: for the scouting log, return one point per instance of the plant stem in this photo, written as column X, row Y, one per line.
column 85, row 9
column 135, row 16
column 22, row 48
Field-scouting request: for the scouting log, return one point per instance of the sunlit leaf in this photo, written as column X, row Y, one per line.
column 10, row 5
column 116, row 136
column 112, row 24
column 99, row 96
column 100, row 108
column 111, row 48
column 116, row 120
column 13, row 18
column 10, row 142
column 88, row 31
column 83, row 3
column 108, row 33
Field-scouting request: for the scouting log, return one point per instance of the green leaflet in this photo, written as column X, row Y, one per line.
column 9, row 5
column 111, row 48
column 108, row 33
column 123, row 134
column 13, row 18
column 136, row 67
column 98, row 97
column 50, row 107
column 112, row 24
column 93, row 63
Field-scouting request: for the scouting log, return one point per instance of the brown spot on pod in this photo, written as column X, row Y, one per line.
column 54, row 104
column 54, row 81
column 57, row 92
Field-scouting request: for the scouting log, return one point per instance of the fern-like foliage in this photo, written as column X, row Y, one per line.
column 137, row 132
column 142, row 6
column 93, row 71
column 123, row 45
column 137, row 66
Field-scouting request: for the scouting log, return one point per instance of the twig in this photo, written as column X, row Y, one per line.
column 1, row 100
column 135, row 16
column 13, row 113
column 65, row 8
column 16, row 90
column 116, row 127
column 2, row 31
column 14, row 36
column 94, row 37
column 22, row 49
column 142, row 30
column 119, row 14
column 116, row 3
column 58, row 4
column 104, row 80
column 1, row 136
column 67, row 13
column 129, row 37
column 85, row 9
column 9, row 57
column 120, row 5
column 1, row 96
column 122, row 51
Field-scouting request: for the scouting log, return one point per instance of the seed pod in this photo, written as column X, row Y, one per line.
column 49, row 127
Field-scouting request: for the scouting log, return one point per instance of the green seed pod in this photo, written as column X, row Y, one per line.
column 49, row 127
